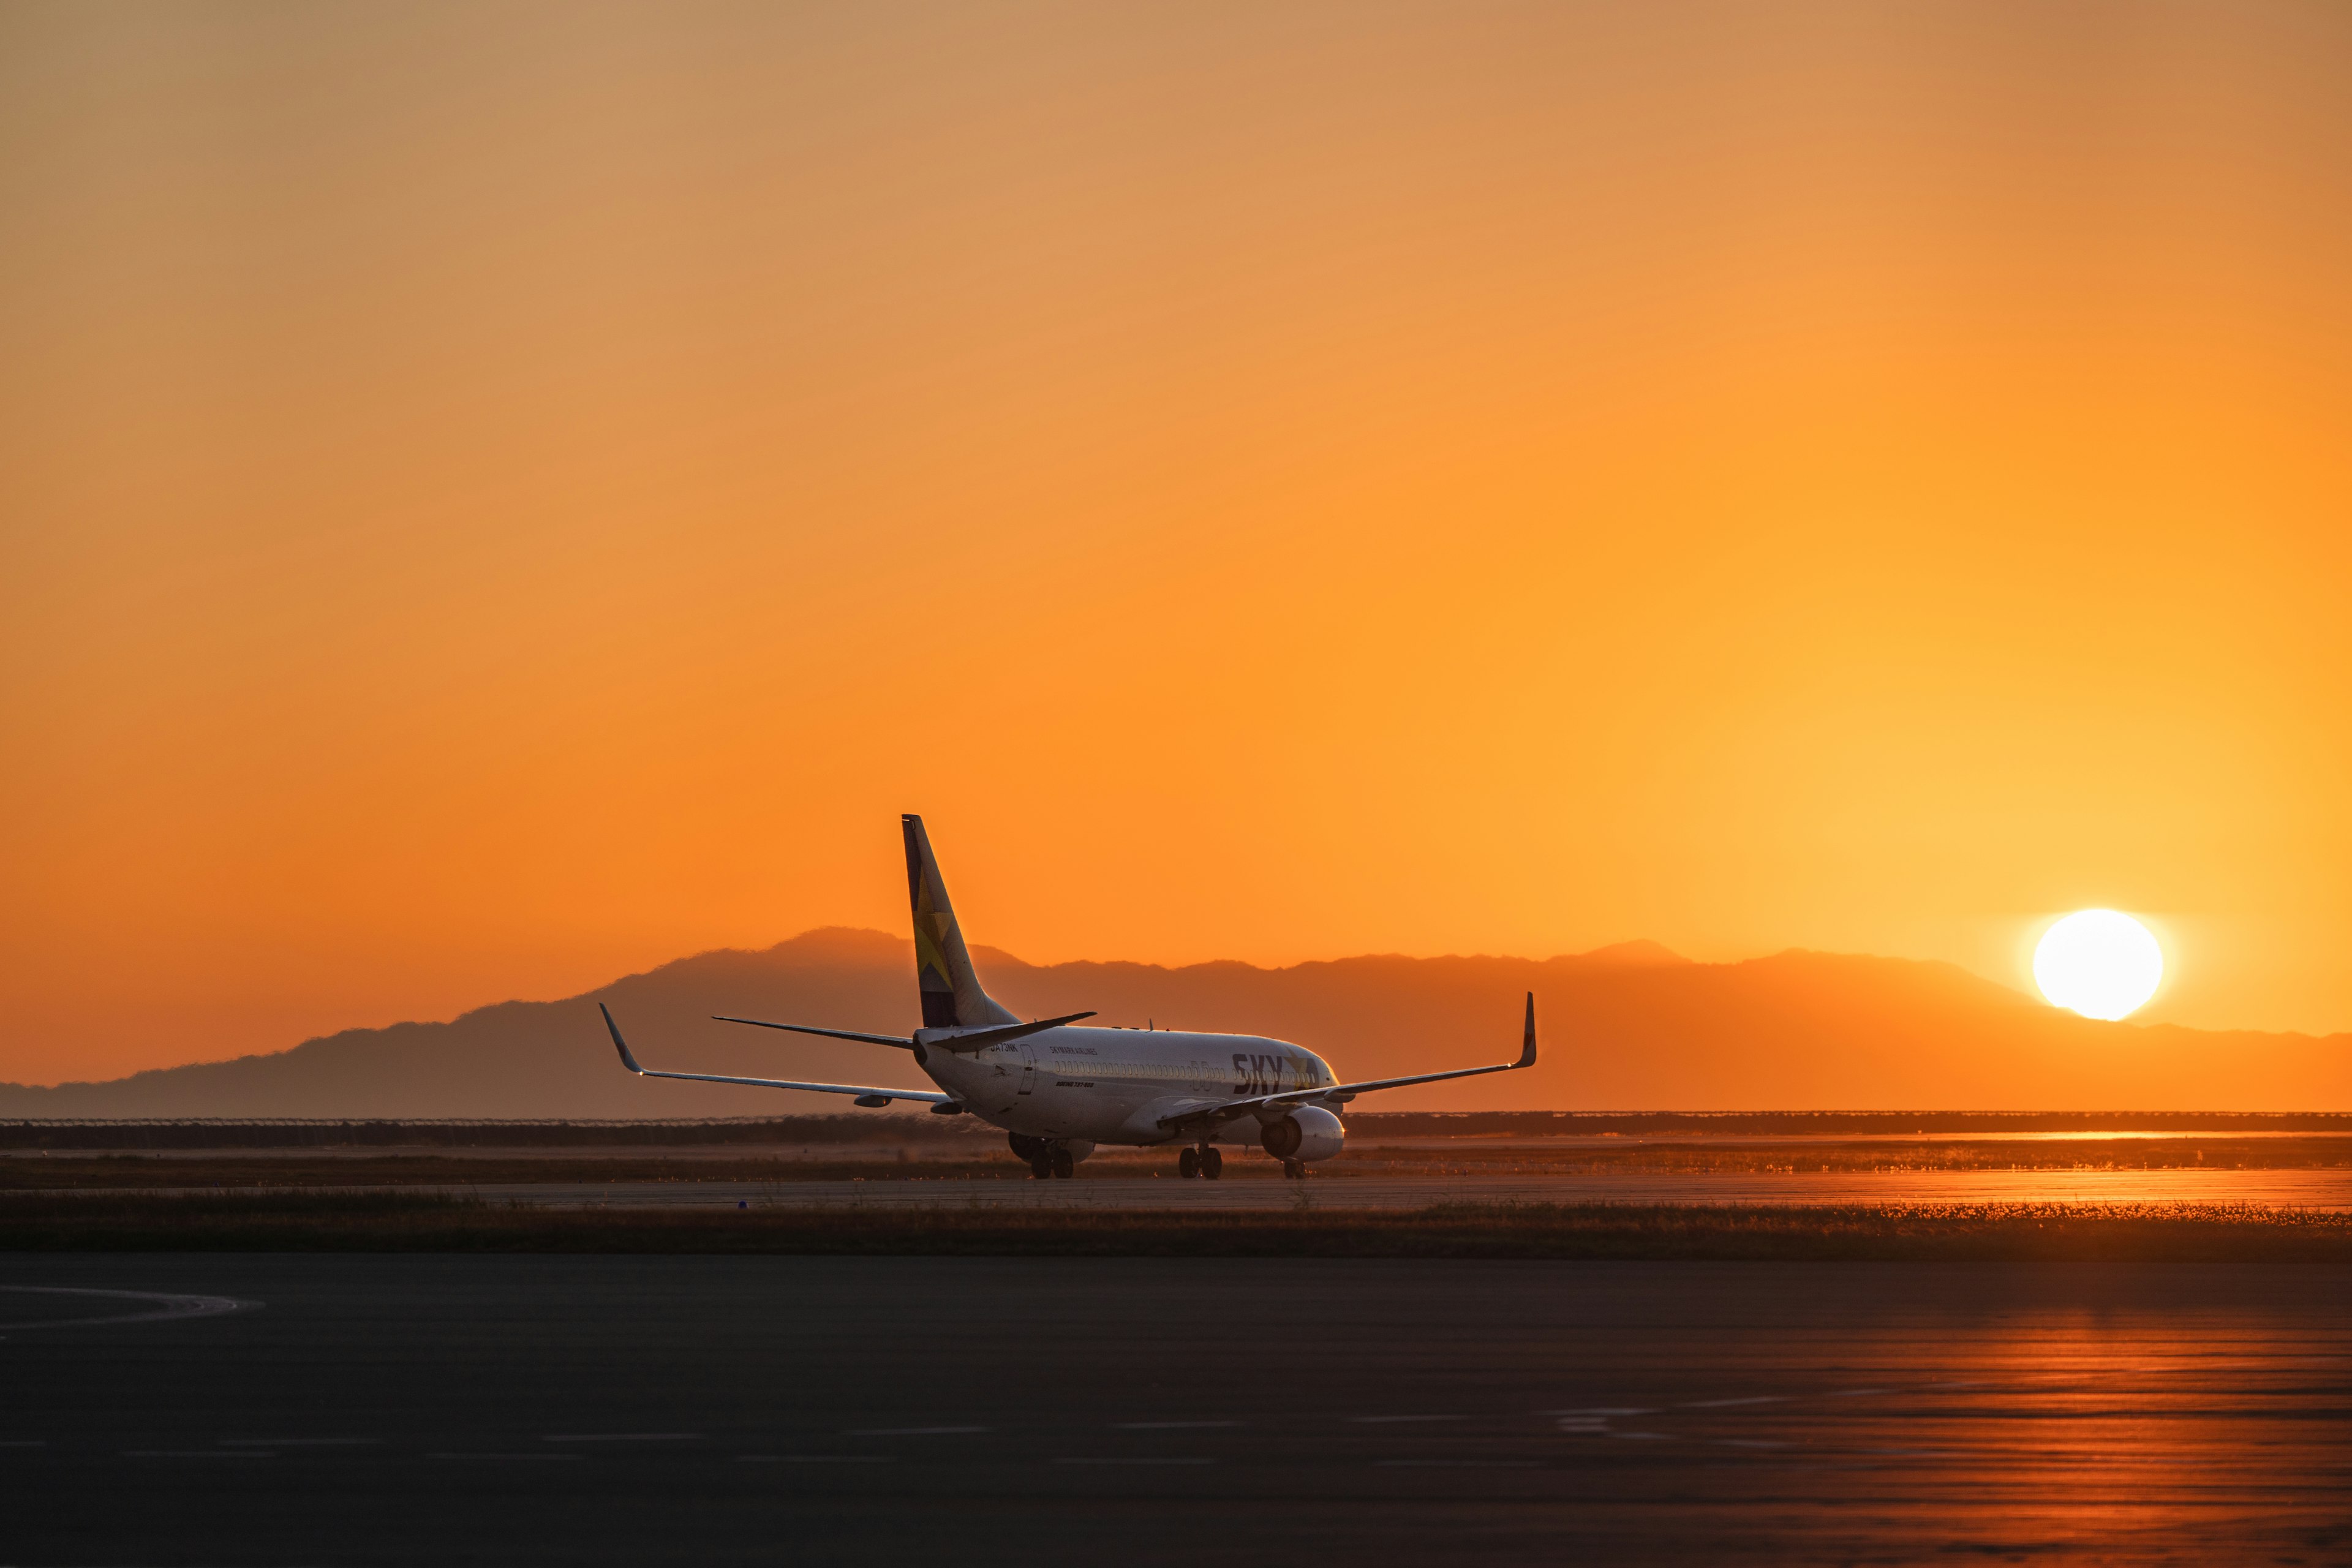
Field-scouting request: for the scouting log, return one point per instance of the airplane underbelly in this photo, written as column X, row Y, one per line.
column 1064, row 1095
column 1038, row 1100
column 1079, row 1108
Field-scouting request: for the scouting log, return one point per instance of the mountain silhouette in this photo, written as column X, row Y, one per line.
column 1627, row 1028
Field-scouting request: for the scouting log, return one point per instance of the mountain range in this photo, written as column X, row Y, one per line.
column 1628, row 1027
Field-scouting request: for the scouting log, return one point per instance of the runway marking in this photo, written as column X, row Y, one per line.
column 1390, row 1420
column 195, row 1454
column 623, row 1437
column 915, row 1431
column 1590, row 1421
column 173, row 1307
column 1454, row 1464
column 1171, row 1425
column 818, row 1458
column 1110, row 1460
column 297, row 1442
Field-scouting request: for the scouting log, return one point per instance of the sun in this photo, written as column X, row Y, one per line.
column 2100, row 962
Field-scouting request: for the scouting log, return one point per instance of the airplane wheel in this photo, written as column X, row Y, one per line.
column 1188, row 1164
column 1041, row 1167
column 1063, row 1166
column 1212, row 1164
column 1294, row 1169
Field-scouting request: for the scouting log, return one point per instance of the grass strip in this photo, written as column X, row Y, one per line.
column 305, row 1169
column 402, row 1222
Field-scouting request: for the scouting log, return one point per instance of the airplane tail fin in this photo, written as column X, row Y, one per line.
column 950, row 989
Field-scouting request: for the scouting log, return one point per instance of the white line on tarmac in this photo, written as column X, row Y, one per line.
column 172, row 1306
column 297, row 1442
column 915, row 1431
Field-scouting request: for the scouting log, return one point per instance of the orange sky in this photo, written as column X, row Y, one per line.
column 495, row 497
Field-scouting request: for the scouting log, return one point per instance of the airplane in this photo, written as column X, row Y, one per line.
column 1059, row 1092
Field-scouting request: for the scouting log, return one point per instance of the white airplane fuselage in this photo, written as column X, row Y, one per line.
column 1118, row 1086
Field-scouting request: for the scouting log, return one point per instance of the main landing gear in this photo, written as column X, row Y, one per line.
column 1204, row 1161
column 1294, row 1169
column 1047, row 1161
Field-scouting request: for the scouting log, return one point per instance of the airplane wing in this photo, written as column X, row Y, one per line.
column 1340, row 1093
column 869, row 1097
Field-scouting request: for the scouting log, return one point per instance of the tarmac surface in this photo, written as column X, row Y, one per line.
column 181, row 1409
column 2319, row 1189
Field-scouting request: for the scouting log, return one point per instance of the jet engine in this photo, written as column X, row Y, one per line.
column 1308, row 1132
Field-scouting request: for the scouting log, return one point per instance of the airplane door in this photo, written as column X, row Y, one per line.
column 1028, row 1066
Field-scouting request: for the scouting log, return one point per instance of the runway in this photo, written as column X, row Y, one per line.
column 2329, row 1189
column 382, row 1409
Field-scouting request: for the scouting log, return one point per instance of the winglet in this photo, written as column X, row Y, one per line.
column 628, row 1060
column 1527, row 1050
